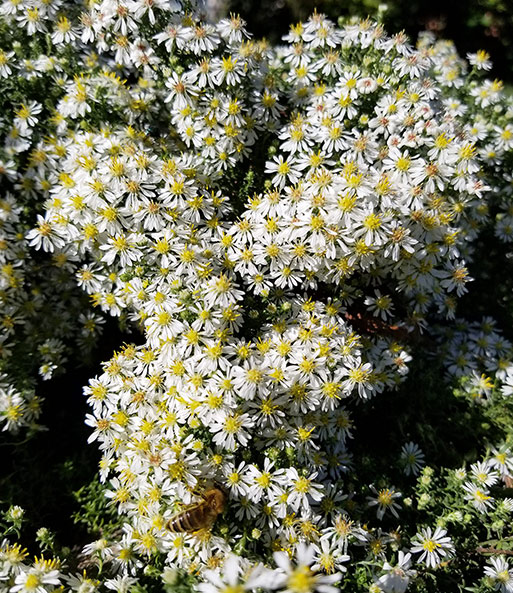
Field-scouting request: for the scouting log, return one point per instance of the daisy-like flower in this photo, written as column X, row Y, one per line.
column 397, row 576
column 63, row 31
column 5, row 67
column 342, row 530
column 236, row 479
column 32, row 19
column 81, row 583
column 223, row 291
column 182, row 90
column 26, row 115
column 502, row 461
column 35, row 581
column 412, row 459
column 121, row 583
column 302, row 489
column 385, row 501
column 483, row 473
column 380, row 305
column 285, row 171
column 237, row 576
column 479, row 387
column 478, row 496
column 360, row 376
column 122, row 246
column 433, row 547
column 500, row 573
column 45, row 235
column 480, row 60
column 299, row 577
column 266, row 482
column 231, row 430
column 329, row 557
column 454, row 277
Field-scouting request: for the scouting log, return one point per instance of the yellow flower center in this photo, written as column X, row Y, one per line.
column 302, row 485
column 430, row 545
column 302, row 580
column 232, row 424
column 32, row 582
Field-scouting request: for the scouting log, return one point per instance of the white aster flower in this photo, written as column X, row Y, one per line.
column 26, row 115
column 397, row 577
column 45, row 235
column 502, row 460
column 433, row 547
column 285, row 171
column 35, row 581
column 500, row 573
column 412, row 458
column 483, row 473
column 121, row 584
column 329, row 557
column 385, row 500
column 237, row 575
column 298, row 576
column 230, row 430
column 478, row 496
column 481, row 60
column 302, row 489
column 380, row 305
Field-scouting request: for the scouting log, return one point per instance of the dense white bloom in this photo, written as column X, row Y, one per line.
column 265, row 318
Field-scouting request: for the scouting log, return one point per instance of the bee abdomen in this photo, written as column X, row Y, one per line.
column 188, row 520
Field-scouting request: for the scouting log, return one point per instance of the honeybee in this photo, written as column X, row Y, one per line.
column 200, row 515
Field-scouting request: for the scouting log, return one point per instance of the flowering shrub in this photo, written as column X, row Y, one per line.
column 289, row 229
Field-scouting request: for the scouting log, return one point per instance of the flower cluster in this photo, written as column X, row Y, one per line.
column 495, row 468
column 367, row 179
column 485, row 114
column 38, row 323
column 19, row 575
column 477, row 350
column 281, row 224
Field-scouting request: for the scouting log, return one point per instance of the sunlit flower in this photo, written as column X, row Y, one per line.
column 432, row 546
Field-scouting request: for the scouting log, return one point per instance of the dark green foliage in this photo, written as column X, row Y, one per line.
column 95, row 512
column 52, row 473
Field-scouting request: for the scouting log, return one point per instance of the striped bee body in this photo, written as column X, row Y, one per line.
column 199, row 516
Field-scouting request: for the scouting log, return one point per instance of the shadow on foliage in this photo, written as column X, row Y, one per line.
column 423, row 410
column 40, row 472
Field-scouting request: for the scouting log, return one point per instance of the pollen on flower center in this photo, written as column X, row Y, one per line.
column 301, row 580
column 223, row 284
column 233, row 589
column 430, row 545
column 302, row 485
column 385, row 497
column 232, row 424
